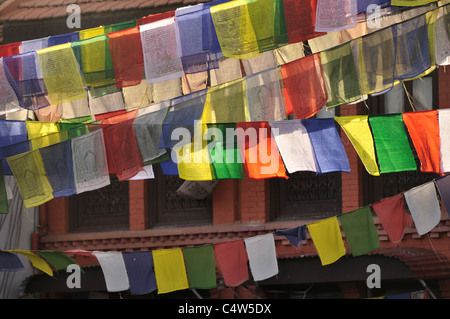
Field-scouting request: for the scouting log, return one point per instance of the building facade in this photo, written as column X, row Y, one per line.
column 149, row 215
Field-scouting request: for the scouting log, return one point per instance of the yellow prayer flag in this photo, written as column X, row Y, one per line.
column 170, row 270
column 92, row 32
column 327, row 238
column 44, row 134
column 61, row 74
column 29, row 173
column 359, row 133
column 235, row 30
column 36, row 261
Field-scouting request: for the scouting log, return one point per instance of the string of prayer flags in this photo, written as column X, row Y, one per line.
column 304, row 87
column 391, row 143
column 393, row 216
column 294, row 145
column 334, row 16
column 200, row 266
column 114, row 270
column 263, row 94
column 412, row 54
column 239, row 41
column 327, row 238
column 161, row 51
column 377, row 61
column 340, row 75
column 35, row 260
column 30, row 90
column 326, row 141
column 443, row 187
column 10, row 262
column 57, row 259
column 9, row 102
column 262, row 256
column 358, row 131
column 185, row 112
column 360, row 231
column 89, row 162
column 170, row 270
column 148, row 131
column 121, row 145
column 127, row 57
column 442, row 46
column 260, row 154
column 295, row 235
column 226, row 103
column 141, row 276
column 424, row 207
column 58, row 164
column 300, row 20
column 423, row 128
column 61, row 74
column 224, row 151
column 232, row 259
column 29, row 173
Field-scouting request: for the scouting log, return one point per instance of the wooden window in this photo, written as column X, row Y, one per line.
column 104, row 209
column 167, row 208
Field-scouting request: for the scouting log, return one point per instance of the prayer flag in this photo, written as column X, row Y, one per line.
column 263, row 94
column 224, row 151
column 326, row 141
column 200, row 266
column 340, row 74
column 232, row 258
column 335, row 15
column 35, row 260
column 114, row 270
column 34, row 45
column 262, row 256
column 12, row 132
column 358, row 131
column 304, row 87
column 29, row 173
column 391, row 143
column 264, row 18
column 127, row 58
column 170, row 270
column 412, row 54
column 442, row 45
column 327, row 238
column 141, row 276
column 239, row 41
column 424, row 206
column 294, row 145
column 300, row 20
column 58, row 164
column 443, row 187
column 260, row 154
column 91, row 32
column 393, row 216
column 9, row 102
column 295, row 235
column 115, row 27
column 10, row 49
column 155, row 17
column 58, row 259
column 61, row 74
column 360, row 231
column 161, row 51
column 410, row 3
column 89, row 162
column 10, row 262
column 423, row 128
column 63, row 38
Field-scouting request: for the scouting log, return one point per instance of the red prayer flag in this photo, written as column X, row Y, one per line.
column 303, row 86
column 155, row 17
column 393, row 216
column 258, row 151
column 127, row 58
column 300, row 16
column 423, row 128
column 232, row 259
column 10, row 49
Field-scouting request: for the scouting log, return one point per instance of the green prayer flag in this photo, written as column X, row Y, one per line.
column 391, row 143
column 360, row 231
column 224, row 151
column 200, row 266
column 58, row 259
